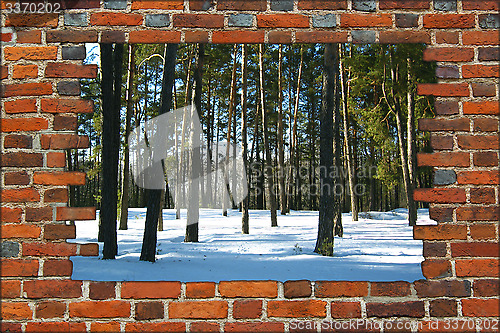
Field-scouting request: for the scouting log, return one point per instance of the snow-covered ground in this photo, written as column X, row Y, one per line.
column 379, row 247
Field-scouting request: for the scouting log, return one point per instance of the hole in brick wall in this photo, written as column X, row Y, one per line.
column 374, row 88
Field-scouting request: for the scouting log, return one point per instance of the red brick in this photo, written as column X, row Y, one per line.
column 25, row 71
column 56, row 70
column 26, row 89
column 20, row 106
column 23, row 125
column 38, row 214
column 18, row 141
column 111, row 326
column 365, row 20
column 80, row 4
column 4, row 72
column 196, row 36
column 56, row 160
column 115, row 37
column 476, row 249
column 67, row 106
column 321, row 37
column 20, row 231
column 394, row 289
column 39, row 327
column 156, row 4
column 63, row 267
column 21, row 159
column 449, row 288
column 454, row 54
column 439, row 232
column 482, row 89
column 205, row 327
column 267, row 289
column 19, row 195
column 445, row 21
column 115, row 19
column 443, row 89
column 155, row 36
column 257, row 5
column 478, row 177
column 30, row 53
column 62, row 123
column 10, row 288
column 481, row 5
column 296, row 309
column 6, row 37
column 446, row 107
column 486, row 71
column 50, row 309
column 29, row 36
column 254, row 327
column 200, row 289
column 15, row 310
column 486, row 288
column 198, row 21
column 10, row 214
column 478, row 142
column 59, row 178
column 151, row 289
column 282, row 21
column 59, row 231
column 249, row 37
column 441, row 142
column 436, row 268
column 247, row 309
column 447, row 37
column 32, row 20
column 340, row 289
column 440, row 195
column 91, row 249
column 434, row 249
column 102, row 290
column 99, row 309
column 279, row 37
column 480, row 38
column 407, row 4
column 149, row 310
column 49, row 249
column 457, row 159
column 487, row 108
column 343, row 310
column 480, row 307
column 68, row 36
column 64, row 141
column 477, row 267
column 155, row 327
column 401, row 37
column 53, row 288
column 56, row 195
column 485, row 125
column 478, row 213
column 482, row 195
column 441, row 214
column 402, row 309
column 198, row 309
column 443, row 308
column 18, row 267
column 482, row 231
column 294, row 289
column 75, row 213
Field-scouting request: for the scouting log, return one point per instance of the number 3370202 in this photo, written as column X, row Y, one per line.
column 32, row 8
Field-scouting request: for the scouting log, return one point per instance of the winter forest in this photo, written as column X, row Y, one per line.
column 327, row 128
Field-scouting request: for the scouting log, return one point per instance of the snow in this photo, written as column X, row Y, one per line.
column 378, row 247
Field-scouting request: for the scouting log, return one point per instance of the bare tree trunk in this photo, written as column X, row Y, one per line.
column 347, row 141
column 411, row 145
column 210, row 133
column 126, row 152
column 270, row 177
column 244, row 78
column 281, row 150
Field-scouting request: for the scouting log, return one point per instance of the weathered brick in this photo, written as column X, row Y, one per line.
column 26, row 89
column 475, row 249
column 447, row 21
column 19, row 195
column 16, row 178
column 435, row 125
column 483, row 89
column 294, row 289
column 198, row 20
column 450, row 159
column 54, row 326
column 440, row 195
column 53, row 288
column 484, row 71
column 446, row 107
column 479, row 177
column 406, row 20
column 18, row 141
column 202, row 5
column 279, row 37
column 196, row 36
column 282, row 21
column 247, row 309
column 56, row 195
column 38, row 214
column 440, row 232
column 202, row 326
column 18, row 267
column 59, row 178
column 149, row 310
column 296, row 309
column 436, row 268
column 254, row 327
column 115, row 19
column 445, row 5
column 50, row 309
column 21, row 159
column 394, row 289
column 434, row 249
column 69, row 88
column 257, row 5
column 20, row 231
column 281, row 5
column 198, row 309
column 478, row 213
column 321, row 37
column 64, row 141
column 486, row 288
column 447, row 288
column 155, row 326
column 340, row 289
column 74, row 52
column 9, row 250
column 10, row 288
column 345, row 309
column 76, row 19
column 59, row 231
column 67, row 106
column 15, row 310
column 444, row 177
column 480, row 307
column 481, row 5
column 487, row 158
column 447, row 72
column 413, row 309
column 365, row 20
column 477, row 267
column 361, row 36
column 443, row 308
column 324, row 21
column 25, row 72
column 63, row 70
column 157, row 20
column 364, row 5
column 248, row 289
column 32, row 20
column 402, row 37
column 75, row 213
column 155, row 36
column 158, row 4
column 99, row 309
column 200, row 289
column 489, row 21
column 10, row 214
column 29, row 37
column 485, row 108
column 240, row 20
column 72, row 36
column 115, row 4
column 102, row 290
column 80, row 4
column 447, row 37
column 480, row 38
column 55, row 267
column 407, row 4
column 443, row 89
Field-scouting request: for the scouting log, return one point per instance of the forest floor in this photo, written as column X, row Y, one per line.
column 379, row 247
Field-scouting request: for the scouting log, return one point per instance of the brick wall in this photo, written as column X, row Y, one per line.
column 41, row 61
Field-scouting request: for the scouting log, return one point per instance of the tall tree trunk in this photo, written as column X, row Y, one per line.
column 111, row 100
column 347, row 141
column 244, row 78
column 148, row 250
column 126, row 152
column 193, row 209
column 210, row 133
column 281, row 150
column 412, row 209
column 325, row 240
column 270, row 177
column 225, row 193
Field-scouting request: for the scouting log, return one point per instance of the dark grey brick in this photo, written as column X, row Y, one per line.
column 364, row 37
column 157, row 20
column 75, row 19
column 74, row 52
column 445, row 5
column 324, row 21
column 282, row 5
column 69, row 88
column 444, row 177
column 447, row 72
column 364, row 5
column 240, row 20
column 115, row 4
column 489, row 54
column 406, row 20
column 10, row 249
column 489, row 21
